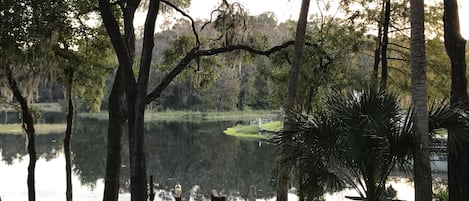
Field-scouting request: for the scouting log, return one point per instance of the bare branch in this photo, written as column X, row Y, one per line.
column 398, row 59
column 397, row 45
column 187, row 16
column 211, row 18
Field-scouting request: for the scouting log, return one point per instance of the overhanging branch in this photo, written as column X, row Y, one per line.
column 195, row 53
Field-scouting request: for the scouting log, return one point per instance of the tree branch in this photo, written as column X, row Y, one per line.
column 398, row 59
column 187, row 16
column 148, row 44
column 195, row 53
column 112, row 28
column 401, row 46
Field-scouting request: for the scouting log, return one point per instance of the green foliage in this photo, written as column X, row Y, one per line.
column 97, row 59
column 358, row 138
column 274, row 126
column 325, row 62
column 52, row 39
column 28, row 32
column 222, row 82
column 440, row 192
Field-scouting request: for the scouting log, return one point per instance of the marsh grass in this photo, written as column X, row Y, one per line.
column 252, row 131
column 273, row 126
column 170, row 115
column 15, row 129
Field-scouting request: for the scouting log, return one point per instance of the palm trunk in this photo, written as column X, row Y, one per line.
column 67, row 138
column 457, row 154
column 422, row 170
column 28, row 126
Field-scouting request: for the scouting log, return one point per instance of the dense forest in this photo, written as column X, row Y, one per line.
column 363, row 84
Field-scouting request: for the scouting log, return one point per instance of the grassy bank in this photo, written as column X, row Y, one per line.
column 252, row 131
column 16, row 129
column 195, row 115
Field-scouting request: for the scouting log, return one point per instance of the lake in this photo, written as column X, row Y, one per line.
column 196, row 155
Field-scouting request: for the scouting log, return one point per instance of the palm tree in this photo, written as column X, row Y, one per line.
column 357, row 140
column 422, row 170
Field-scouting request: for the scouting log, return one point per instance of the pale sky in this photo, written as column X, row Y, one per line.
column 289, row 9
column 284, row 10
column 463, row 16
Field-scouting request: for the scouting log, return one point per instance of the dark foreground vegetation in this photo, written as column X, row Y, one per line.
column 89, row 56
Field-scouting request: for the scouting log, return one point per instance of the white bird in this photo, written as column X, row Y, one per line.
column 178, row 190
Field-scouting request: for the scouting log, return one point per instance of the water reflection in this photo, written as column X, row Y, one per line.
column 13, row 147
column 195, row 155
column 198, row 154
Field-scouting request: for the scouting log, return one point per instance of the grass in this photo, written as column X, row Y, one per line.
column 249, row 132
column 252, row 131
column 193, row 115
column 16, row 129
column 273, row 126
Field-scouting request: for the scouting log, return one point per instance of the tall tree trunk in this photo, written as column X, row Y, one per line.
column 378, row 46
column 283, row 175
column 384, row 48
column 138, row 171
column 124, row 80
column 68, row 136
column 116, row 129
column 422, row 170
column 458, row 176
column 28, row 126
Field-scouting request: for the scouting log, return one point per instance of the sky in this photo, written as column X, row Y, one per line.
column 289, row 9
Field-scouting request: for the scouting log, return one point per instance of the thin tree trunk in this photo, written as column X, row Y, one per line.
column 384, row 48
column 116, row 129
column 458, row 176
column 28, row 126
column 67, row 138
column 283, row 175
column 422, row 170
column 378, row 46
column 301, row 186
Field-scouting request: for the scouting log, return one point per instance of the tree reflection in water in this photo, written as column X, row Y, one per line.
column 194, row 154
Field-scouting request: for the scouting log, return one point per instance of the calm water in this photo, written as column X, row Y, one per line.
column 196, row 155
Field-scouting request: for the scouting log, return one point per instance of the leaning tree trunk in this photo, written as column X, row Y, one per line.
column 28, row 126
column 67, row 138
column 458, row 153
column 283, row 175
column 422, row 170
